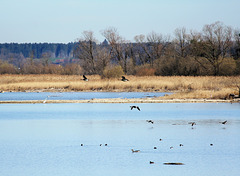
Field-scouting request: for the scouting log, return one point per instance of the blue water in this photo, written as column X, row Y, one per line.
column 44, row 139
column 75, row 95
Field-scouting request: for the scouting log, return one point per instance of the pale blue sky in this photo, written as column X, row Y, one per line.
column 30, row 21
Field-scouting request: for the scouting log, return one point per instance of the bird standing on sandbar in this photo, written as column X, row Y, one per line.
column 132, row 107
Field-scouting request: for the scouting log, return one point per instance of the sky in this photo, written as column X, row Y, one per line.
column 63, row 21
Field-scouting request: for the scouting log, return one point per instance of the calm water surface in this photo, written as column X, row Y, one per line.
column 75, row 95
column 45, row 139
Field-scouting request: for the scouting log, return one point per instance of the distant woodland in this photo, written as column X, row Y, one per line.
column 215, row 50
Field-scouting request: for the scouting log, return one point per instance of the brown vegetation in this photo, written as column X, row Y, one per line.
column 208, row 87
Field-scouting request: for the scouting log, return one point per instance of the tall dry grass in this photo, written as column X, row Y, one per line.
column 185, row 86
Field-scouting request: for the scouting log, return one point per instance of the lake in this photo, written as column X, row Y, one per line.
column 76, row 95
column 45, row 139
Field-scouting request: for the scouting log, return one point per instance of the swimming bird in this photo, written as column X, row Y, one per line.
column 150, row 121
column 171, row 147
column 224, row 122
column 151, row 162
column 135, row 151
column 154, row 147
column 135, row 107
column 85, row 78
column 81, row 144
column 180, row 145
column 124, row 79
column 105, row 144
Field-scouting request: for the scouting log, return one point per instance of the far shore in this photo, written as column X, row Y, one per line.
column 119, row 100
column 186, row 89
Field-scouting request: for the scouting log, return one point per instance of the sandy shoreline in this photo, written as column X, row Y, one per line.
column 119, row 100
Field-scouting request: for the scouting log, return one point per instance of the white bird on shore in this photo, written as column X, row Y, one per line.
column 45, row 100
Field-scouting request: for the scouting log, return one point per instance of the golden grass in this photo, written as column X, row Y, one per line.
column 184, row 86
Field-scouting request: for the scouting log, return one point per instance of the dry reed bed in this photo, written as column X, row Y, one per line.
column 184, row 86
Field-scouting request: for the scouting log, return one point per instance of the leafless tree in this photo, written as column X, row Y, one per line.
column 236, row 43
column 217, row 41
column 151, row 47
column 181, row 42
column 120, row 49
column 86, row 52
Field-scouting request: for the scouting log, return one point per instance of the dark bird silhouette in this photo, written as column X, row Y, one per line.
column 151, row 162
column 180, row 145
column 224, row 122
column 85, row 78
column 132, row 107
column 150, row 121
column 192, row 123
column 124, row 79
column 135, row 151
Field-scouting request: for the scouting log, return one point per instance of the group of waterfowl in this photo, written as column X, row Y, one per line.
column 171, row 147
column 124, row 79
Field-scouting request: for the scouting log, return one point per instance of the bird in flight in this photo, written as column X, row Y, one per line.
column 150, row 121
column 224, row 122
column 85, row 78
column 192, row 123
column 132, row 107
column 124, row 79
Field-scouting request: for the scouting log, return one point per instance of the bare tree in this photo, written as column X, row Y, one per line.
column 181, row 42
column 236, row 44
column 120, row 49
column 217, row 41
column 86, row 52
column 151, row 47
column 211, row 46
column 103, row 59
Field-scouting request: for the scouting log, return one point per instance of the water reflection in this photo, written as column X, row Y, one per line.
column 45, row 139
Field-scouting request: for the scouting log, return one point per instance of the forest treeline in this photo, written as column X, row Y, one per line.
column 215, row 50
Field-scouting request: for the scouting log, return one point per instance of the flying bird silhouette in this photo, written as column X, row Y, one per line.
column 224, row 122
column 85, row 78
column 124, row 79
column 132, row 107
column 150, row 121
column 192, row 123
